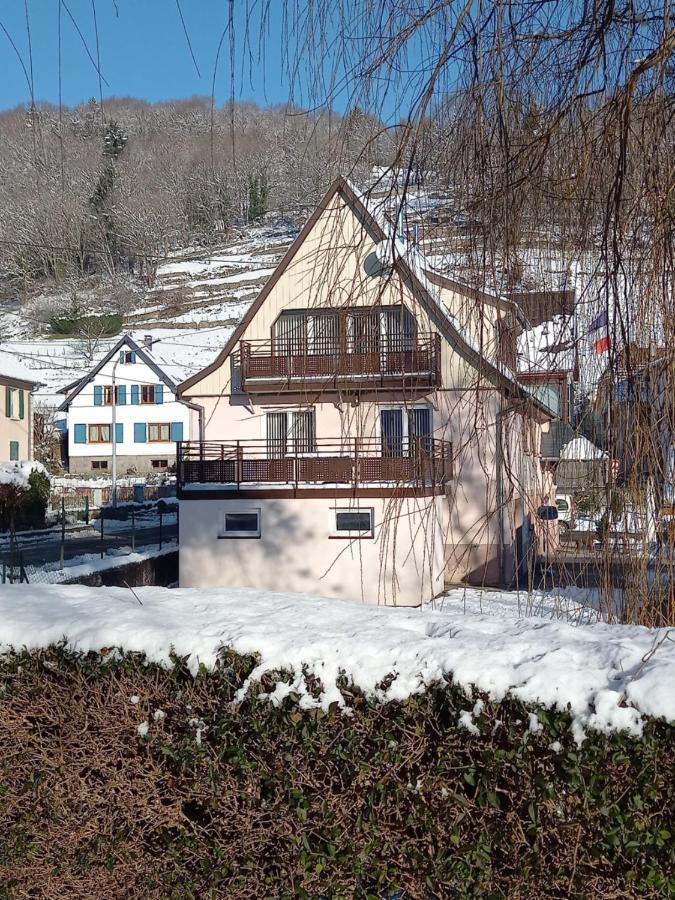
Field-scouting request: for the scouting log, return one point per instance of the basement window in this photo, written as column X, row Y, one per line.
column 159, row 463
column 99, row 463
column 244, row 523
column 353, row 523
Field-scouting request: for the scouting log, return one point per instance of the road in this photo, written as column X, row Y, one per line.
column 38, row 551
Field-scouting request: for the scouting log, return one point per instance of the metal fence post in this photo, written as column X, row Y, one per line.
column 86, row 509
column 133, row 529
column 160, row 529
column 102, row 517
column 63, row 532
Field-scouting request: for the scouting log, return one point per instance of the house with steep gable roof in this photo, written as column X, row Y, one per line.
column 363, row 435
column 127, row 401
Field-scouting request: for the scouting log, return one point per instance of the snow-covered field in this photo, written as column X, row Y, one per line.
column 609, row 676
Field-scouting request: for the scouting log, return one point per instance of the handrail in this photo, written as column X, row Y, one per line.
column 325, row 460
column 288, row 358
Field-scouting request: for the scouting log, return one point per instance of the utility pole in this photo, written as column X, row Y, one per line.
column 113, row 436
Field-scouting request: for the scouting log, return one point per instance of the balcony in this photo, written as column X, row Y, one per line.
column 400, row 363
column 420, row 464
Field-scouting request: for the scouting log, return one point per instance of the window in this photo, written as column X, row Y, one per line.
column 353, row 523
column 148, row 393
column 14, row 451
column 290, row 433
column 9, row 402
column 244, row 523
column 108, row 394
column 158, row 433
column 406, row 432
column 127, row 356
column 159, row 463
column 99, row 464
column 99, row 434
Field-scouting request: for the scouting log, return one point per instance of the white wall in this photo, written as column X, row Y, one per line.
column 296, row 552
column 82, row 410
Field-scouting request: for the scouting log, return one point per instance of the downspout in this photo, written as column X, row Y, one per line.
column 200, row 416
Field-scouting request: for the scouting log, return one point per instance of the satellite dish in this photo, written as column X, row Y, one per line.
column 383, row 252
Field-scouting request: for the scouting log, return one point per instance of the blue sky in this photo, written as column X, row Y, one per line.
column 143, row 51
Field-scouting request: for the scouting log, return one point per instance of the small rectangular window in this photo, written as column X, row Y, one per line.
column 148, row 393
column 127, row 356
column 14, row 451
column 159, row 463
column 159, row 432
column 353, row 523
column 244, row 523
column 99, row 464
column 99, row 434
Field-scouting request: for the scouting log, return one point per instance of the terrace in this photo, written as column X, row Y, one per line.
column 418, row 464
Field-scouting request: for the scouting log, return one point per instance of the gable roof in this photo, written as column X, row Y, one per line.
column 411, row 263
column 142, row 352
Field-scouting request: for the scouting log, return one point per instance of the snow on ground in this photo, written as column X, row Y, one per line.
column 89, row 563
column 609, row 676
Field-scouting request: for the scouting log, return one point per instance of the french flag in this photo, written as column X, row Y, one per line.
column 599, row 333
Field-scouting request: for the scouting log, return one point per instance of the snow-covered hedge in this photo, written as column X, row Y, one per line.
column 120, row 772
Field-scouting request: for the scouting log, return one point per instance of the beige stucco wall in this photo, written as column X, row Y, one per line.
column 331, row 269
column 16, row 429
column 403, row 565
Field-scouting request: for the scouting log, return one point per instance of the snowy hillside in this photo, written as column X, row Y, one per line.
column 198, row 298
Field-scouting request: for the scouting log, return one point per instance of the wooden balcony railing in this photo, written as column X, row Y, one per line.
column 400, row 361
column 352, row 461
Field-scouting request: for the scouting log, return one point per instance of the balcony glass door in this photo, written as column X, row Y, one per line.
column 290, row 433
column 406, row 432
column 397, row 329
column 392, row 432
column 290, row 335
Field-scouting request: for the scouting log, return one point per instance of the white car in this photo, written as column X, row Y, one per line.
column 565, row 504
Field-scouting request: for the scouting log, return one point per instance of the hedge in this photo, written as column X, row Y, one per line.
column 220, row 799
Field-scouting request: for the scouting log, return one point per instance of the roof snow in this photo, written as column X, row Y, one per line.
column 12, row 368
column 580, row 448
column 548, row 347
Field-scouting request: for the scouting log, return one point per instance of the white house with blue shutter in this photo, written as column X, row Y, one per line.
column 130, row 387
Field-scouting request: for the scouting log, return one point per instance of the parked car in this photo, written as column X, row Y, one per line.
column 565, row 504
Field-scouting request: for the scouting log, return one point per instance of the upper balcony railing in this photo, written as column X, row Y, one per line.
column 392, row 362
column 356, row 462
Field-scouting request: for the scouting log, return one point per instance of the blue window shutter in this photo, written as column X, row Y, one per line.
column 8, row 402
column 22, row 406
column 121, row 356
column 139, row 433
column 135, row 395
column 14, row 451
column 176, row 431
column 159, row 393
column 119, row 432
column 80, row 434
column 133, row 356
column 121, row 394
column 98, row 395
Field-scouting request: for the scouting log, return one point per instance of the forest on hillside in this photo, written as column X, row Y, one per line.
column 112, row 187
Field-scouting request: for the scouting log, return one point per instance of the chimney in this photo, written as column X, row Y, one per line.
column 147, row 341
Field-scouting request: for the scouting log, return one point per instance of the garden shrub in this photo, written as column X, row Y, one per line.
column 221, row 799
